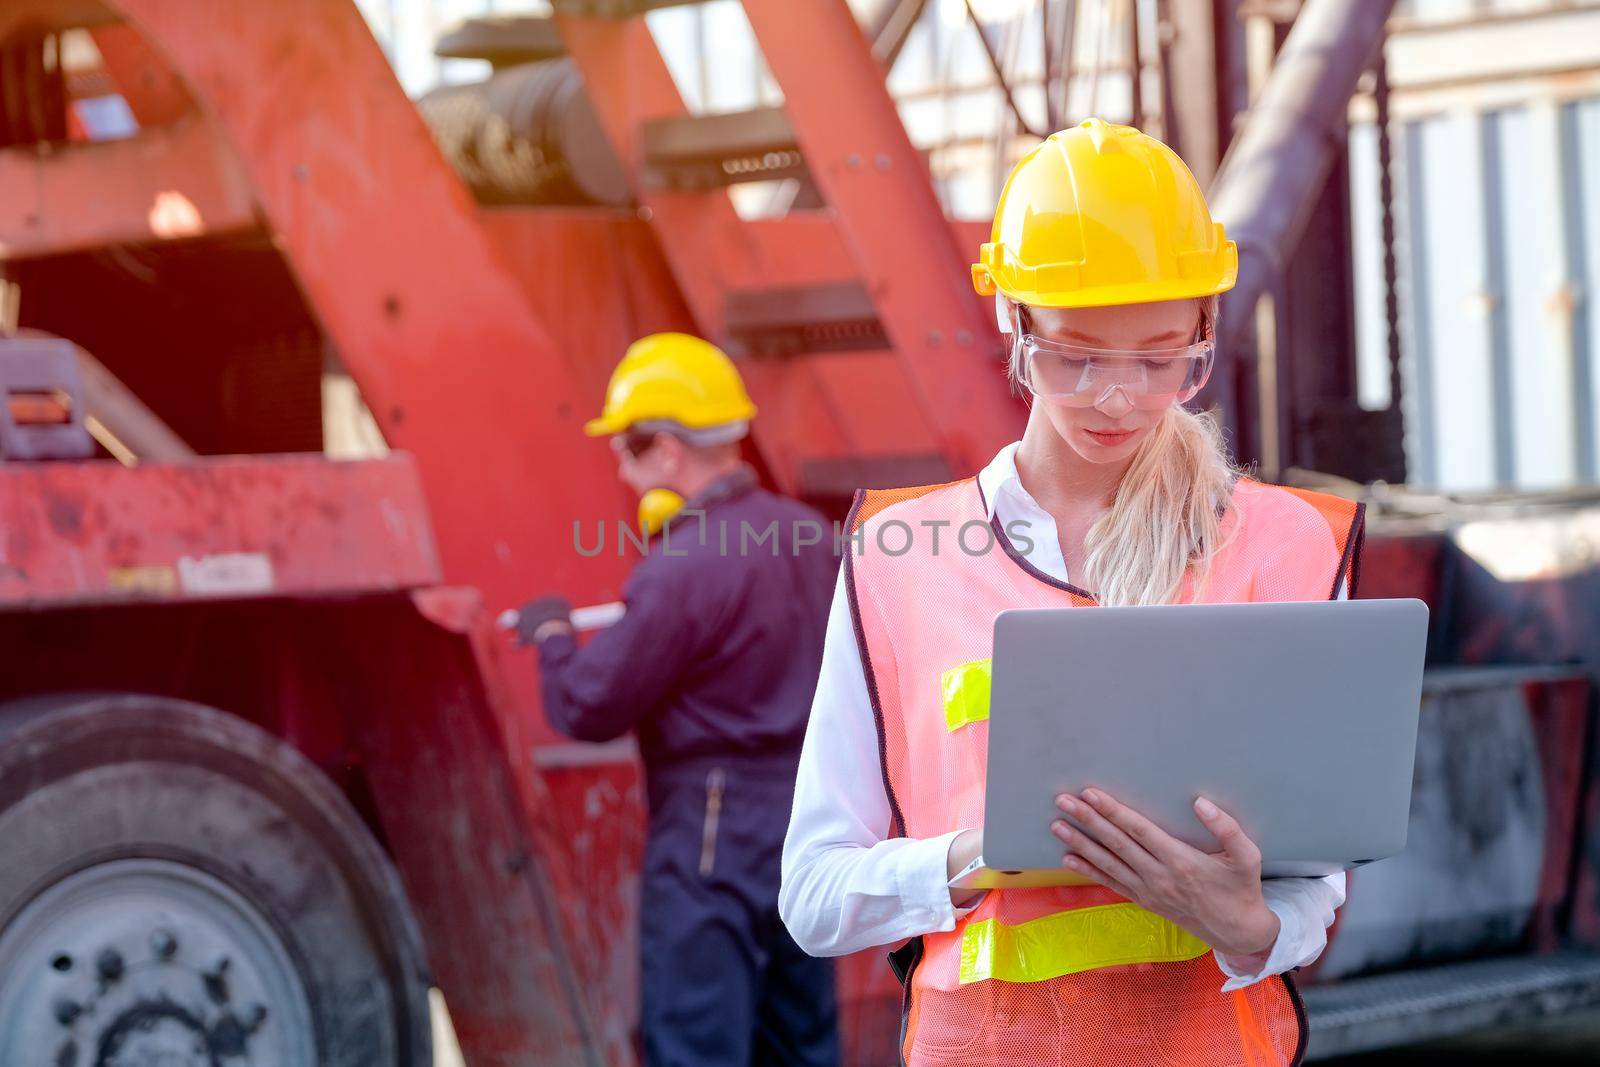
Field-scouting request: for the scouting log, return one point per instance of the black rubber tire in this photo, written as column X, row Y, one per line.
column 91, row 778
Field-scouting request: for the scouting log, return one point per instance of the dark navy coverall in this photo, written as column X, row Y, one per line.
column 714, row 666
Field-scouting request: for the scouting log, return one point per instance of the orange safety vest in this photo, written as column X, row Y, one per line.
column 1073, row 975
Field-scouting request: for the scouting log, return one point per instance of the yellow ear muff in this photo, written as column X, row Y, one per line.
column 656, row 507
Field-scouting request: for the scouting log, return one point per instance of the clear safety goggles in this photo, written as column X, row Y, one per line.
column 1081, row 376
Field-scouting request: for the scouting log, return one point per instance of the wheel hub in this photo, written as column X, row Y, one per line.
column 149, row 963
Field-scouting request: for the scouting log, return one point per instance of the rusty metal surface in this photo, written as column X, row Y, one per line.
column 285, row 526
column 598, row 809
column 386, row 247
column 1488, row 858
column 384, row 241
column 476, row 836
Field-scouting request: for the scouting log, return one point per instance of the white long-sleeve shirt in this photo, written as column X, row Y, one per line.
column 847, row 885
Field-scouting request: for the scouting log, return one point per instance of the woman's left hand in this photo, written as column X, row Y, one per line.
column 1215, row 896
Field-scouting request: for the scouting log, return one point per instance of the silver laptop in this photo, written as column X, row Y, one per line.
column 1300, row 719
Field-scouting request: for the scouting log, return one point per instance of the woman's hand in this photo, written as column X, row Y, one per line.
column 1215, row 896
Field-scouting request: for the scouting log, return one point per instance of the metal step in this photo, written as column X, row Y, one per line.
column 832, row 317
column 711, row 151
column 1361, row 1014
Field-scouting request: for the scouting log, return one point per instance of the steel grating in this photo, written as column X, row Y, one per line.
column 1359, row 1014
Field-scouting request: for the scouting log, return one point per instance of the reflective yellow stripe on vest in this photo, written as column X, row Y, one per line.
column 966, row 693
column 1083, row 939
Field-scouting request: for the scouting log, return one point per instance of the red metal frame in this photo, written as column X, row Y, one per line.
column 813, row 407
column 1560, row 713
column 155, row 94
column 168, row 182
column 878, row 186
column 387, row 249
column 385, row 243
column 287, row 526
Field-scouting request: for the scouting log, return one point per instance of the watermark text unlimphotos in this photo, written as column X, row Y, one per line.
column 690, row 532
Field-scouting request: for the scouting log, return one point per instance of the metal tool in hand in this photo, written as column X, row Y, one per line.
column 593, row 617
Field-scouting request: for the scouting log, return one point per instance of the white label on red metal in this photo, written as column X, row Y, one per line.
column 228, row 574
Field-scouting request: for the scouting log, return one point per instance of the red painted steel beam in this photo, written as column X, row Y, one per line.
column 155, row 94
column 629, row 84
column 806, row 248
column 80, row 533
column 700, row 234
column 857, row 149
column 1559, row 711
column 447, row 760
column 384, row 240
column 50, row 16
column 170, row 182
column 711, row 251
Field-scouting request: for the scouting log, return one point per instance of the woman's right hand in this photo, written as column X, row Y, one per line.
column 964, row 848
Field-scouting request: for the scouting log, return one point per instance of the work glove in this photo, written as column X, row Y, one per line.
column 535, row 613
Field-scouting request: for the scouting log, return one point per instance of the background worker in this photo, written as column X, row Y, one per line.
column 1105, row 267
column 713, row 665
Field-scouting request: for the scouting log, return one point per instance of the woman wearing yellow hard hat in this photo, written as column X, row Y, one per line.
column 1105, row 266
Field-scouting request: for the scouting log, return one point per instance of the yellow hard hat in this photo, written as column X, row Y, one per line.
column 1099, row 215
column 673, row 377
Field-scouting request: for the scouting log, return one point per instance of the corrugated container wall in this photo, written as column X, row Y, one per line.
column 1495, row 130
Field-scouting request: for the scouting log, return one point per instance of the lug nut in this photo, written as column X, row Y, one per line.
column 109, row 964
column 67, row 1011
column 255, row 1017
column 163, row 944
column 216, row 981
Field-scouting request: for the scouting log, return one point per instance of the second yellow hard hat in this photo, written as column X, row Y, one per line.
column 1099, row 215
column 673, row 377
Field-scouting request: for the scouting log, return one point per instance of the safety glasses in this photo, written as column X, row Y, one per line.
column 1080, row 376
column 632, row 443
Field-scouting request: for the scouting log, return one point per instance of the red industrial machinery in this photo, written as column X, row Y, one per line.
column 266, row 769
